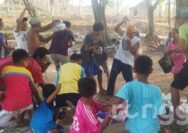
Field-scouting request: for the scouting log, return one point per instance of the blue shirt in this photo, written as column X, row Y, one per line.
column 43, row 118
column 145, row 104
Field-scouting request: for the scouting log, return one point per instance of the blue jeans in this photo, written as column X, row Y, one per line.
column 118, row 67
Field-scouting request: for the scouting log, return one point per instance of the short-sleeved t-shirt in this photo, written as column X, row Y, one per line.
column 145, row 101
column 18, row 94
column 88, row 56
column 60, row 42
column 183, row 33
column 69, row 75
column 85, row 119
column 33, row 67
column 43, row 118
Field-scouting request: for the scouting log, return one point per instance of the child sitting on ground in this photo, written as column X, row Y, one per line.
column 18, row 95
column 43, row 117
column 85, row 119
column 69, row 75
column 145, row 99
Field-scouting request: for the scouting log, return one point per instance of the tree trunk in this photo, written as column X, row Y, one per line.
column 52, row 8
column 150, row 36
column 179, row 5
column 99, row 16
column 151, row 27
column 117, row 8
column 169, row 14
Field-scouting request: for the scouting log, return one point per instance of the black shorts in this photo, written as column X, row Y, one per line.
column 61, row 100
column 100, row 58
column 181, row 80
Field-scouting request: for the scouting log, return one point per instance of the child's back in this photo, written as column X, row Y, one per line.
column 145, row 101
column 18, row 93
column 69, row 75
column 43, row 118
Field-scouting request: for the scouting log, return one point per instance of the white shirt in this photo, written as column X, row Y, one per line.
column 123, row 54
column 21, row 40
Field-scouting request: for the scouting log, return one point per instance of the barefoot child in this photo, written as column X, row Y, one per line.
column 43, row 117
column 18, row 95
column 85, row 119
column 145, row 99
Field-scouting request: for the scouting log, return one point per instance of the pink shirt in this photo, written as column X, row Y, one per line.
column 85, row 119
column 177, row 58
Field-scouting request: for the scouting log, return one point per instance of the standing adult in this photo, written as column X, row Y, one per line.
column 20, row 31
column 92, row 45
column 34, row 39
column 4, row 48
column 180, row 82
column 61, row 41
column 178, row 59
column 124, row 57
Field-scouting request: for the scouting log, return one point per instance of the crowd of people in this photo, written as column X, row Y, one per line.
column 23, row 91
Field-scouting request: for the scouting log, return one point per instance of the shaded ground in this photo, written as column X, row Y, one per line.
column 157, row 77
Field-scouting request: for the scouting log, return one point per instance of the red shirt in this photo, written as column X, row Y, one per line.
column 33, row 67
column 18, row 94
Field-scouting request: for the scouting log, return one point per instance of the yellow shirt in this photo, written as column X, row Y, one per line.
column 69, row 76
column 183, row 33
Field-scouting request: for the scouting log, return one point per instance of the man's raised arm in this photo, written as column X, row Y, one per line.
column 118, row 29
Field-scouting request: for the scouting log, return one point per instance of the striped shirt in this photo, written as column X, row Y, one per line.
column 85, row 119
column 18, row 94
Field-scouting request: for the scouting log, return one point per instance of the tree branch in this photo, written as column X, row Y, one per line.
column 155, row 4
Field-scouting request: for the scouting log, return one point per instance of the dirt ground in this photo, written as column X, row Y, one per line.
column 157, row 77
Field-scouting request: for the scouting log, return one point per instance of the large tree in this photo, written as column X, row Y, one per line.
column 98, row 7
column 151, row 25
column 179, row 5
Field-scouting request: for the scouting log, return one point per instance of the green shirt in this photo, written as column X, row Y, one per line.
column 183, row 33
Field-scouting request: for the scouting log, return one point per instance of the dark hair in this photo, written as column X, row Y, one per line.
column 175, row 30
column 143, row 64
column 48, row 89
column 19, row 55
column 24, row 19
column 75, row 57
column 97, row 27
column 87, row 87
column 40, row 53
column 67, row 23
